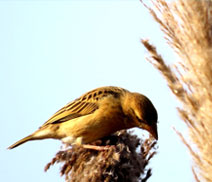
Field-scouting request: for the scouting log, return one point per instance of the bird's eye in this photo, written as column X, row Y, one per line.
column 139, row 119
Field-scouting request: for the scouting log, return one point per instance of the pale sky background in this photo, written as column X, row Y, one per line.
column 51, row 52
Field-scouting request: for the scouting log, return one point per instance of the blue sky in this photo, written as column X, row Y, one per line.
column 54, row 51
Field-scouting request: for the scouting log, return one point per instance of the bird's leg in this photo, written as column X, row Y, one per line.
column 94, row 147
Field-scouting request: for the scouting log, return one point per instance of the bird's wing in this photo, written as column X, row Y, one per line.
column 84, row 105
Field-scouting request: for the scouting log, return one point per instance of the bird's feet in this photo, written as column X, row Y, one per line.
column 95, row 147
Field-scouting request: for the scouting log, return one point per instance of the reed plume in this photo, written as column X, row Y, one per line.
column 187, row 26
column 125, row 161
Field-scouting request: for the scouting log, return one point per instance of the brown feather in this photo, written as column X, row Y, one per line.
column 84, row 105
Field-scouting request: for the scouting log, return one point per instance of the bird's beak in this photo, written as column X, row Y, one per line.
column 152, row 129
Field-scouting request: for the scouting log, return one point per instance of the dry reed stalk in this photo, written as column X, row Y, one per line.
column 121, row 163
column 187, row 25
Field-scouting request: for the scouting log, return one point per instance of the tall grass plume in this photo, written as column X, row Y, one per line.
column 187, row 26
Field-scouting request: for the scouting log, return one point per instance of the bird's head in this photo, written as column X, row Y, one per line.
column 142, row 112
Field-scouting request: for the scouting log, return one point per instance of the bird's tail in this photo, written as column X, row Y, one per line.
column 23, row 140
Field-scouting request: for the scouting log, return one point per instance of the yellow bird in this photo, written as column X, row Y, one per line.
column 97, row 114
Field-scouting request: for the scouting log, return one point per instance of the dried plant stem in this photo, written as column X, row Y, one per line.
column 121, row 163
column 187, row 27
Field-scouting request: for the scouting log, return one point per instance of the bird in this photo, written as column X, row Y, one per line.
column 97, row 114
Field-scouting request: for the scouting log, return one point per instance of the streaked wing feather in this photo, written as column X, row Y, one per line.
column 84, row 105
